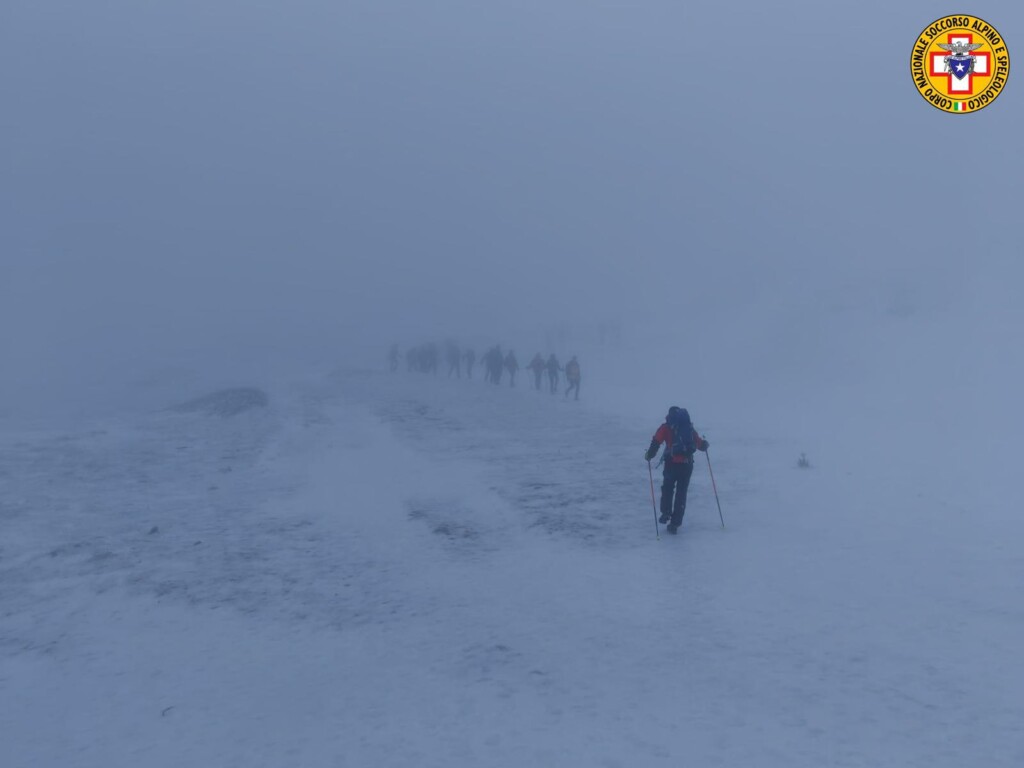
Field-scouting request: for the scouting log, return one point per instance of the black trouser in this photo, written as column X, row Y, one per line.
column 677, row 478
column 573, row 384
column 536, row 377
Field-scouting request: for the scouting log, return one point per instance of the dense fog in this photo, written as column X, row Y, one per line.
column 217, row 218
column 232, row 186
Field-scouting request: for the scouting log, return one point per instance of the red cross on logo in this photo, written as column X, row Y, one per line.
column 956, row 87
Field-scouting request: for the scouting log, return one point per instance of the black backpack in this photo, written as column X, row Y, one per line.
column 683, row 443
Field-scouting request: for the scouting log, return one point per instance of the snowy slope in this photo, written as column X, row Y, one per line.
column 395, row 570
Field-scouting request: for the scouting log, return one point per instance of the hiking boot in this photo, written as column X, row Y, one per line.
column 664, row 519
column 673, row 528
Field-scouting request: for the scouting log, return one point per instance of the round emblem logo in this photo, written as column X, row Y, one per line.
column 960, row 63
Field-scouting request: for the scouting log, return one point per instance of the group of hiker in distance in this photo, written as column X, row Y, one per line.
column 425, row 358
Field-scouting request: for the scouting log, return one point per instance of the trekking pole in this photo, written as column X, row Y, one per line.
column 715, row 488
column 657, row 531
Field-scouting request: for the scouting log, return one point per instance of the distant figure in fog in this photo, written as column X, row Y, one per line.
column 470, row 357
column 553, row 369
column 453, row 357
column 393, row 358
column 430, row 356
column 572, row 375
column 537, row 366
column 512, row 366
column 495, row 364
column 485, row 361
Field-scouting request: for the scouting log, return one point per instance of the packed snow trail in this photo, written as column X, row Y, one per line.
column 394, row 570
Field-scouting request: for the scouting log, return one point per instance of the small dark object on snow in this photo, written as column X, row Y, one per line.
column 153, row 530
column 802, row 462
column 225, row 402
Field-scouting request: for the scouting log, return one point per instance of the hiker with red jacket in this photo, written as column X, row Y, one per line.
column 681, row 441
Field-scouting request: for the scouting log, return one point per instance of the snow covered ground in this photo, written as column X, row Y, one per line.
column 375, row 570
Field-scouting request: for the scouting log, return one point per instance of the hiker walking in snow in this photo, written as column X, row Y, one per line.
column 681, row 441
column 470, row 357
column 486, row 360
column 495, row 363
column 393, row 358
column 512, row 366
column 572, row 375
column 537, row 366
column 553, row 369
column 453, row 358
